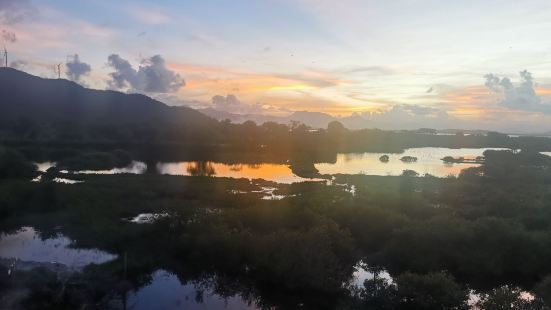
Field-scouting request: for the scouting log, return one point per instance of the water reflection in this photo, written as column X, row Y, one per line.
column 167, row 292
column 364, row 272
column 63, row 180
column 135, row 167
column 44, row 166
column 279, row 173
column 27, row 246
column 203, row 169
column 429, row 160
column 147, row 218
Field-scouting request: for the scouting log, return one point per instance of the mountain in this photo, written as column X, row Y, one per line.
column 311, row 119
column 39, row 99
column 241, row 118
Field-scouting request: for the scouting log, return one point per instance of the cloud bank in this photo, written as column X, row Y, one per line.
column 14, row 11
column 231, row 104
column 8, row 37
column 19, row 64
column 75, row 69
column 520, row 97
column 152, row 76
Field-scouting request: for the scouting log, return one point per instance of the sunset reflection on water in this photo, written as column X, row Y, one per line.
column 429, row 160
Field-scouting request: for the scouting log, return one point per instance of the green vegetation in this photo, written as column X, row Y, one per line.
column 488, row 230
column 14, row 165
column 484, row 235
column 223, row 141
column 408, row 159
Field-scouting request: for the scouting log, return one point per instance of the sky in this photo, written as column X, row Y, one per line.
column 473, row 63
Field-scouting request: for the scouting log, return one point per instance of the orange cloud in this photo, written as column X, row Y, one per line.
column 204, row 76
column 468, row 112
column 467, row 95
column 542, row 91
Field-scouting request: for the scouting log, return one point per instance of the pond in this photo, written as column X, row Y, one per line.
column 279, row 173
column 167, row 292
column 135, row 167
column 28, row 248
column 429, row 160
column 362, row 273
column 44, row 166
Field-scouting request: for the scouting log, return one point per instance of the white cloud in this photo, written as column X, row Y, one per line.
column 521, row 97
column 75, row 69
column 231, row 104
column 14, row 11
column 8, row 36
column 152, row 76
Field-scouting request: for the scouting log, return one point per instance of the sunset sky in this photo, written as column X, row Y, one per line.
column 456, row 62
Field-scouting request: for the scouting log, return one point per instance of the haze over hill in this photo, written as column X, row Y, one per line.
column 396, row 119
column 39, row 99
column 284, row 154
column 26, row 96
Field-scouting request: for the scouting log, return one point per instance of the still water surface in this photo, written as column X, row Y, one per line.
column 25, row 249
column 26, row 245
column 279, row 173
column 166, row 291
column 429, row 161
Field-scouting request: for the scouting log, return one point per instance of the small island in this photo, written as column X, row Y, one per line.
column 410, row 173
column 462, row 160
column 409, row 159
column 384, row 158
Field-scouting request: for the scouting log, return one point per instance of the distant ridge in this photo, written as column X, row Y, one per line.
column 312, row 119
column 26, row 96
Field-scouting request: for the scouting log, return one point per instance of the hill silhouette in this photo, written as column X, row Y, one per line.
column 49, row 100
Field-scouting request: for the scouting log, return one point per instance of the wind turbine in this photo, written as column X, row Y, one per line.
column 57, row 69
column 6, row 56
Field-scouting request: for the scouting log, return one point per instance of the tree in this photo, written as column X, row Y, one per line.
column 409, row 173
column 507, row 297
column 384, row 158
column 437, row 290
column 336, row 128
column 14, row 165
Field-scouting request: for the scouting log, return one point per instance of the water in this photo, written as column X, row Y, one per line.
column 279, row 173
column 361, row 273
column 269, row 193
column 429, row 160
column 64, row 181
column 44, row 166
column 147, row 218
column 136, row 167
column 167, row 292
column 27, row 246
column 57, row 180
